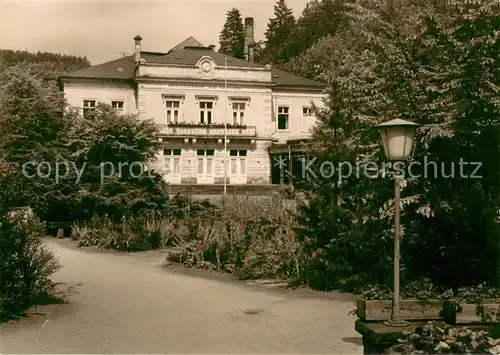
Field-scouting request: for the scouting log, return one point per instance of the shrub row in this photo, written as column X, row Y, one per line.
column 252, row 239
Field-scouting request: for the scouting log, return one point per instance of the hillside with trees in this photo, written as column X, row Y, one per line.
column 45, row 65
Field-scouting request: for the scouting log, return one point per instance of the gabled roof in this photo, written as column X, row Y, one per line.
column 188, row 42
column 188, row 52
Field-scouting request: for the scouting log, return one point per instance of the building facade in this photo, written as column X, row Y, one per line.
column 219, row 116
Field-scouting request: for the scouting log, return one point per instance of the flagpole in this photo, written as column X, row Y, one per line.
column 225, row 127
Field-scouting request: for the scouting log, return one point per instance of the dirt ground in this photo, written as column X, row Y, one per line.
column 133, row 303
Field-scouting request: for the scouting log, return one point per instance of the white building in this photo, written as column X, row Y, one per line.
column 184, row 90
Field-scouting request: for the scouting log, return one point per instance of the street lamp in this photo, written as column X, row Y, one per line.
column 397, row 138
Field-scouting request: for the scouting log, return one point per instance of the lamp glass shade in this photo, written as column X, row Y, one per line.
column 397, row 139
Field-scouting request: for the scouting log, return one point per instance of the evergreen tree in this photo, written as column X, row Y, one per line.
column 258, row 51
column 46, row 66
column 321, row 18
column 280, row 34
column 232, row 36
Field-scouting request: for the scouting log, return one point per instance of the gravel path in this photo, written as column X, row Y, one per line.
column 130, row 303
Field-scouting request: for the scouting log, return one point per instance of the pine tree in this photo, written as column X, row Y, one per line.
column 280, row 35
column 321, row 18
column 232, row 36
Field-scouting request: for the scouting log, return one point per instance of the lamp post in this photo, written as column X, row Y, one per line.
column 397, row 138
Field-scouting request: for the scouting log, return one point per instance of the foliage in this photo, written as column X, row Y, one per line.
column 320, row 19
column 131, row 234
column 419, row 289
column 472, row 294
column 47, row 66
column 100, row 158
column 33, row 130
column 435, row 338
column 246, row 238
column 430, row 62
column 116, row 151
column 25, row 263
column 232, row 36
column 280, row 35
column 478, row 295
column 140, row 232
column 333, row 218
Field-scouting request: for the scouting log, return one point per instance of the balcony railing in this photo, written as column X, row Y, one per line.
column 200, row 130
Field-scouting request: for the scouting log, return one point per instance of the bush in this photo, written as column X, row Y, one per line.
column 110, row 146
column 25, row 263
column 131, row 234
column 420, row 289
column 444, row 339
column 247, row 238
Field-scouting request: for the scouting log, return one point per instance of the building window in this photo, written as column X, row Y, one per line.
column 172, row 111
column 117, row 105
column 206, row 112
column 172, row 161
column 88, row 106
column 238, row 162
column 239, row 113
column 283, row 118
column 307, row 114
column 206, row 162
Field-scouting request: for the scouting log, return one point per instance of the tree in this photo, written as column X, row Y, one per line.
column 435, row 63
column 43, row 65
column 33, row 127
column 280, row 35
column 232, row 36
column 118, row 179
column 40, row 136
column 336, row 227
column 322, row 18
column 258, row 51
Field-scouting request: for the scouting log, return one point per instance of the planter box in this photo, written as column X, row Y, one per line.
column 377, row 337
column 380, row 310
column 456, row 312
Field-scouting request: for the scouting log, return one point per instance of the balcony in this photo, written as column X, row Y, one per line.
column 197, row 130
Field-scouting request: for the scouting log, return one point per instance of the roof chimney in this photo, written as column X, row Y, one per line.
column 211, row 47
column 137, row 40
column 249, row 40
column 251, row 50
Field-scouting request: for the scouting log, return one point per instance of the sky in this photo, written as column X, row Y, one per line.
column 103, row 30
